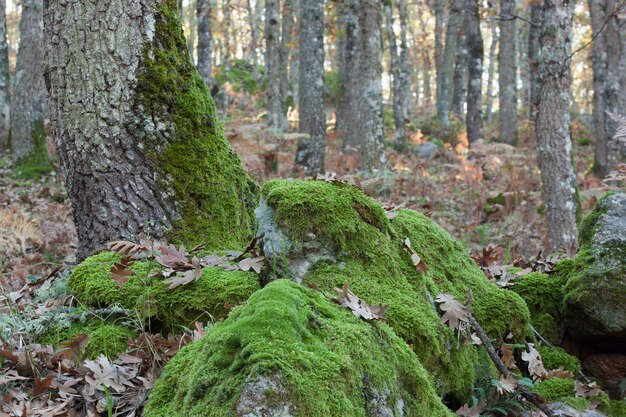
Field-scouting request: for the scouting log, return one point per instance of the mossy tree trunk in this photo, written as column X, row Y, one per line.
column 136, row 130
column 554, row 144
column 27, row 135
column 507, row 72
column 5, row 98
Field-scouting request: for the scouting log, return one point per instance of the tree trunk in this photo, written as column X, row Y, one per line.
column 252, row 21
column 5, row 97
column 27, row 114
column 524, row 67
column 286, row 46
column 193, row 25
column 205, row 40
column 136, row 131
column 533, row 55
column 371, row 97
column 405, row 71
column 349, row 64
column 459, row 91
column 426, row 65
column 552, row 126
column 275, row 116
column 398, row 85
column 310, row 153
column 442, row 95
column 492, row 69
column 475, row 47
column 449, row 53
column 507, row 67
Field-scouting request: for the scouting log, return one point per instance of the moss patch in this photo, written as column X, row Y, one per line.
column 556, row 357
column 109, row 340
column 37, row 163
column 216, row 197
column 203, row 300
column 327, row 359
column 556, row 389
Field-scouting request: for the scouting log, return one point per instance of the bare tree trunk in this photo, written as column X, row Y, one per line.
column 398, row 85
column 533, row 55
column 426, row 65
column 310, row 153
column 459, row 90
column 5, row 96
column 193, row 24
column 449, row 54
column 552, row 126
column 205, row 40
column 286, row 46
column 474, row 118
column 442, row 95
column 27, row 113
column 524, row 67
column 405, row 71
column 275, row 116
column 349, row 64
column 507, row 67
column 371, row 97
column 136, row 131
column 492, row 69
column 252, row 21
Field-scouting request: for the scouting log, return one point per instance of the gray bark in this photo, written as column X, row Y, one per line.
column 492, row 69
column 29, row 89
column 507, row 68
column 275, row 116
column 371, row 97
column 193, row 24
column 459, row 91
column 253, row 19
column 349, row 57
column 405, row 71
column 286, row 46
column 524, row 67
column 552, row 125
column 135, row 129
column 449, row 54
column 533, row 54
column 399, row 84
column 426, row 66
column 474, row 120
column 5, row 97
column 205, row 40
column 442, row 95
column 310, row 153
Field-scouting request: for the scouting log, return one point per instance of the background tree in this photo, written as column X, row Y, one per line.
column 442, row 103
column 459, row 81
column 554, row 143
column 275, row 116
column 205, row 40
column 28, row 106
column 400, row 86
column 475, row 48
column 5, row 97
column 310, row 153
column 533, row 52
column 507, row 70
column 448, row 60
column 140, row 145
column 493, row 25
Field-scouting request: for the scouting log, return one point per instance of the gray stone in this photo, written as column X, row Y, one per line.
column 265, row 397
column 427, row 150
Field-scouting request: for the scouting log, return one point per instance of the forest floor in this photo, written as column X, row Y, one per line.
column 489, row 195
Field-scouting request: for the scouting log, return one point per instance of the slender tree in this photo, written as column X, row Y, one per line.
column 552, row 125
column 442, row 95
column 310, row 153
column 205, row 40
column 533, row 52
column 399, row 83
column 252, row 21
column 286, row 50
column 275, row 116
column 28, row 107
column 449, row 57
column 5, row 97
column 492, row 69
column 459, row 81
column 371, row 98
column 139, row 142
column 475, row 47
column 507, row 70
column 405, row 70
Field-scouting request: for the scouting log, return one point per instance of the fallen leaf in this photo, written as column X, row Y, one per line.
column 535, row 364
column 359, row 307
column 454, row 312
column 417, row 261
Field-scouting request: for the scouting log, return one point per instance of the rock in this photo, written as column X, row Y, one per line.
column 595, row 292
column 265, row 396
column 426, row 150
column 610, row 368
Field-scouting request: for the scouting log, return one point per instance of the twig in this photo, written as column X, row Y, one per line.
column 541, row 337
column 537, row 400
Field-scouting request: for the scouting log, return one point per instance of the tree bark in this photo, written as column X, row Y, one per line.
column 524, row 67
column 533, row 54
column 371, row 97
column 27, row 113
column 136, row 131
column 252, row 21
column 442, row 95
column 205, row 40
column 449, row 54
column 554, row 147
column 5, row 96
column 275, row 116
column 507, row 68
column 459, row 90
column 193, row 26
column 474, row 120
column 426, row 66
column 405, row 71
column 491, row 70
column 310, row 153
column 286, row 46
column 399, row 87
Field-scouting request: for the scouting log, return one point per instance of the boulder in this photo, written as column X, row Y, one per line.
column 610, row 368
column 595, row 291
column 426, row 150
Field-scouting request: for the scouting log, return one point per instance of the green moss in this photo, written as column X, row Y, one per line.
column 325, row 357
column 201, row 300
column 556, row 389
column 577, row 403
column 109, row 340
column 587, row 228
column 36, row 163
column 556, row 357
column 616, row 408
column 371, row 257
column 547, row 327
column 215, row 196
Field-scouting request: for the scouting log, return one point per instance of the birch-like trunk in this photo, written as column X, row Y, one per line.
column 507, row 67
column 136, row 131
column 275, row 115
column 492, row 69
column 554, row 147
column 474, row 120
column 205, row 40
column 399, row 87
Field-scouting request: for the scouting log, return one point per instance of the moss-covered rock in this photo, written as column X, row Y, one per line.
column 556, row 389
column 595, row 291
column 556, row 357
column 326, row 233
column 291, row 351
column 109, row 340
column 201, row 300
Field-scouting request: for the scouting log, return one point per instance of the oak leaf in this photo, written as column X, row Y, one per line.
column 535, row 364
column 455, row 313
column 359, row 307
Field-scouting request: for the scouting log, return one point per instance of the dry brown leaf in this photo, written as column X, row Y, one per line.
column 535, row 364
column 508, row 384
column 42, row 384
column 417, row 261
column 507, row 356
column 586, row 390
column 255, row 264
column 359, row 307
column 120, row 272
column 455, row 313
column 558, row 373
column 126, row 248
column 467, row 411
